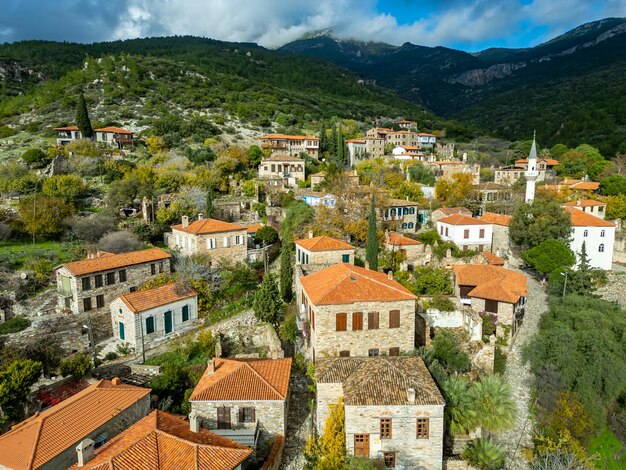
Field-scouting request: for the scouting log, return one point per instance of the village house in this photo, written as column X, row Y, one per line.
column 379, row 132
column 500, row 241
column 291, row 145
column 401, row 138
column 317, row 179
column 598, row 236
column 545, row 167
column 48, row 439
column 508, row 175
column 405, row 124
column 243, row 399
column 221, row 240
column 114, row 136
column 407, row 152
column 317, row 198
column 90, row 284
column 353, row 311
column 67, row 134
column 286, row 168
column 414, row 252
column 426, row 140
column 447, row 169
column 442, row 212
column 590, row 206
column 490, row 194
column 147, row 318
column 163, row 441
column 489, row 289
column 393, row 409
column 405, row 213
column 466, row 232
column 572, row 188
column 323, row 251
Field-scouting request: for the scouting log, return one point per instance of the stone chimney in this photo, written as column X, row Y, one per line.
column 410, row 396
column 210, row 367
column 85, row 451
column 185, row 221
column 195, row 422
column 274, row 354
column 310, row 233
column 390, row 275
column 367, row 265
column 200, row 216
column 116, row 381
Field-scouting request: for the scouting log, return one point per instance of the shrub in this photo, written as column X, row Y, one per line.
column 5, row 232
column 489, row 323
column 111, row 356
column 248, row 188
column 120, row 242
column 431, row 281
column 36, row 158
column 446, row 350
column 442, row 303
column 266, row 235
column 77, row 365
column 6, row 132
column 288, row 328
column 484, row 454
column 14, row 325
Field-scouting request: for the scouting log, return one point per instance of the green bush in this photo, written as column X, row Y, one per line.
column 14, row 325
column 6, row 132
column 111, row 356
column 77, row 365
column 266, row 235
column 431, row 281
column 485, row 454
column 36, row 157
column 442, row 303
column 288, row 329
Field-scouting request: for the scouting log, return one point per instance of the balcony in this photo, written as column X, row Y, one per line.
column 123, row 139
column 246, row 436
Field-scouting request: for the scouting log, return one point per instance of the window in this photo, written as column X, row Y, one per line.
column 226, row 242
column 161, row 266
column 394, row 351
column 247, row 414
column 372, row 320
column 601, row 248
column 390, row 459
column 385, row 428
column 98, row 280
column 373, row 352
column 602, row 233
column 466, row 233
column 210, row 243
column 341, row 322
column 149, row 325
column 223, row 417
column 357, row 321
column 87, row 304
column 481, row 248
column 422, row 428
column 585, row 233
column 100, row 301
column 446, row 231
column 122, row 274
column 185, row 312
column 238, row 240
column 153, row 269
column 441, row 230
column 394, row 319
column 481, row 233
column 86, row 283
column 110, row 279
column 345, row 258
column 133, row 289
column 344, row 353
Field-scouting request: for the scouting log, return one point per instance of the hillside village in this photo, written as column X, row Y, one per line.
column 360, row 296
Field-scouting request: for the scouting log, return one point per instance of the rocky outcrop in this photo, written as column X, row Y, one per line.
column 479, row 77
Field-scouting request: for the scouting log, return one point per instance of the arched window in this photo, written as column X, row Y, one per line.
column 602, row 233
column 601, row 248
column 585, row 233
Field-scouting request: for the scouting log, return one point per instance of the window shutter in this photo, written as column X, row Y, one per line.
column 341, row 322
column 372, row 320
column 241, row 414
column 253, row 414
column 357, row 321
column 394, row 319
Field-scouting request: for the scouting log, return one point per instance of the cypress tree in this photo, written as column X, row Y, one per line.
column 267, row 303
column 210, row 208
column 82, row 118
column 332, row 144
column 371, row 248
column 286, row 272
column 323, row 139
column 340, row 148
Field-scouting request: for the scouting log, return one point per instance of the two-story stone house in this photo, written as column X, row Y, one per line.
column 286, row 168
column 323, row 251
column 353, row 311
column 89, row 285
column 405, row 213
column 393, row 409
column 243, row 395
column 221, row 240
column 146, row 318
column 291, row 145
column 466, row 232
column 414, row 252
column 114, row 136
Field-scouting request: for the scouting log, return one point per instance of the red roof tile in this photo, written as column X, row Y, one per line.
column 254, row 228
column 108, row 261
column 492, row 282
column 492, row 259
column 142, row 300
column 459, row 219
column 584, row 203
column 207, row 226
column 114, row 130
column 496, row 219
column 323, row 243
column 396, row 239
column 68, row 128
column 288, row 137
column 583, row 219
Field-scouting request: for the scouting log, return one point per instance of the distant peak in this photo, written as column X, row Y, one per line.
column 320, row 33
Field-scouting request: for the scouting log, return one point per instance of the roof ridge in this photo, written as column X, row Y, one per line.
column 264, row 380
column 33, row 454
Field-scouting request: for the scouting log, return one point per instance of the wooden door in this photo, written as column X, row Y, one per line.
column 362, row 445
column 223, row 417
column 168, row 322
column 122, row 332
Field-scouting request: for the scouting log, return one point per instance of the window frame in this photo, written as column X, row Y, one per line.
column 87, row 306
column 100, row 301
column 385, row 426
column 110, row 278
column 341, row 321
column 152, row 323
column 395, row 316
column 357, row 320
column 422, row 428
column 122, row 275
column 98, row 281
column 86, row 283
column 373, row 320
column 389, row 458
column 184, row 312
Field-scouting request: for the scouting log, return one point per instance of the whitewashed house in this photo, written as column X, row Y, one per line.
column 590, row 206
column 466, row 232
column 597, row 234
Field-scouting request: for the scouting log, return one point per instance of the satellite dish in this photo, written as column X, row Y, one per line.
column 24, row 275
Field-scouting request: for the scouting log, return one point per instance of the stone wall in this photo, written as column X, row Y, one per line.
column 327, row 394
column 328, row 258
column 619, row 248
column 500, row 242
column 189, row 243
column 411, row 452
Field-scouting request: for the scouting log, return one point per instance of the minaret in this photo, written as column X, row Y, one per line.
column 531, row 174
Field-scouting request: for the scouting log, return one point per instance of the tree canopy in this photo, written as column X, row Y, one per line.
column 549, row 256
column 534, row 223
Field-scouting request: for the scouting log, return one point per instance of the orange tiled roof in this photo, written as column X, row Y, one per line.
column 583, row 219
column 67, row 128
column 142, row 300
column 355, row 141
column 454, row 210
column 584, row 203
column 107, row 261
column 114, row 130
column 254, row 228
column 289, row 137
column 586, row 186
column 492, row 282
column 42, row 437
column 323, row 243
column 547, row 161
column 346, row 284
column 396, row 239
column 401, row 203
column 245, row 379
column 282, row 158
column 492, row 259
column 425, row 134
column 164, row 441
column 496, row 219
column 460, row 219
column 207, row 226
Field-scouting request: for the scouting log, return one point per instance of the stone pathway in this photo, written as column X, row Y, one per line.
column 520, row 378
column 298, row 423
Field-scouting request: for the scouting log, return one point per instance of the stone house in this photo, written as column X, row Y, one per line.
column 243, row 399
column 442, row 212
column 508, row 175
column 146, row 318
column 67, row 134
column 500, row 241
column 291, row 145
column 317, row 178
column 493, row 289
column 466, row 232
column 598, row 236
column 447, row 169
column 393, row 409
column 114, row 136
column 402, row 137
column 89, row 285
column 221, row 240
column 346, row 310
column 595, row 208
column 48, row 439
column 405, row 213
column 406, row 124
column 164, row 441
column 414, row 251
column 289, row 169
column 323, row 250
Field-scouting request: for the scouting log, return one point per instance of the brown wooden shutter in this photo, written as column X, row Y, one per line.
column 491, row 306
column 372, row 320
column 242, row 415
column 394, row 319
column 466, row 234
column 357, row 321
column 344, row 353
column 394, row 351
column 341, row 322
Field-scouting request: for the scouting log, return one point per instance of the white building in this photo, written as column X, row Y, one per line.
column 595, row 208
column 68, row 134
column 426, row 140
column 466, row 232
column 114, row 136
column 598, row 236
column 531, row 174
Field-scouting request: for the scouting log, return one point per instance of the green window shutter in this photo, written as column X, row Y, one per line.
column 185, row 312
column 149, row 325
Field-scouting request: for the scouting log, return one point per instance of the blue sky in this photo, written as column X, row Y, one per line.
column 464, row 24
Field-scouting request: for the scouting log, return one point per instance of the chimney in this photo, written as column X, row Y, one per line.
column 310, row 233
column 116, row 381
column 195, row 422
column 274, row 353
column 578, row 202
column 210, row 367
column 200, row 216
column 390, row 275
column 84, row 451
column 410, row 396
column 367, row 265
column 185, row 221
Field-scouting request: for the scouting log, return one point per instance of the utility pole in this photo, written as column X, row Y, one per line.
column 143, row 346
column 564, row 284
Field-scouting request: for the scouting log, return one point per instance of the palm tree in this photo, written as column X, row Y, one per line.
column 460, row 411
column 485, row 454
column 494, row 405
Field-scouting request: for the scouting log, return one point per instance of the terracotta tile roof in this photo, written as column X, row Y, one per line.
column 490, row 185
column 454, row 210
column 164, row 441
column 282, row 158
column 396, row 239
column 496, row 219
column 460, row 219
column 245, row 379
column 207, row 226
column 424, row 134
column 288, row 137
column 586, row 186
column 346, row 284
column 254, row 228
column 547, row 161
column 323, row 243
column 379, row 381
column 68, row 128
column 114, row 130
column 492, row 259
column 584, row 203
column 492, row 282
column 321, row 173
column 37, row 440
column 583, row 219
column 401, row 203
column 108, row 261
column 142, row 300
column 356, row 141
column 404, row 121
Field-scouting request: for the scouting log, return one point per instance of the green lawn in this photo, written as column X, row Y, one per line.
column 607, row 447
column 16, row 254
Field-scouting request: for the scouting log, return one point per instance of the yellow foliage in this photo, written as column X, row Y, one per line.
column 452, row 192
column 545, row 445
column 155, row 144
column 570, row 415
column 332, row 444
